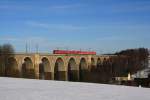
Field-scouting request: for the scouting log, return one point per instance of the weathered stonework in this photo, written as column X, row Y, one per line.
column 27, row 66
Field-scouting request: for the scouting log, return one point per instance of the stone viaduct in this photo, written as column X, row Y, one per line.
column 52, row 66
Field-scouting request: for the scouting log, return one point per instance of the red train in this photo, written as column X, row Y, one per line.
column 74, row 52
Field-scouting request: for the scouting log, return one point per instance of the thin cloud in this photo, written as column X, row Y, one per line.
column 109, row 28
column 131, row 7
column 116, row 38
column 54, row 26
column 4, row 6
column 9, row 39
column 45, row 44
column 15, row 7
column 66, row 7
column 69, row 6
column 24, row 40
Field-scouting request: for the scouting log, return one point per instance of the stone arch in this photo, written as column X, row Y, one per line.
column 106, row 65
column 110, row 60
column 72, row 70
column 104, row 61
column 92, row 63
column 45, row 69
column 26, row 58
column 59, row 70
column 12, row 69
column 111, row 65
column 99, row 62
column 83, row 63
column 83, row 69
column 28, row 68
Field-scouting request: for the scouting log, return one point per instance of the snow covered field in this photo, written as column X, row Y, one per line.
column 28, row 89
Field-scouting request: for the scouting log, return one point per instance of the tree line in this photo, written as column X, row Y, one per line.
column 119, row 65
column 136, row 59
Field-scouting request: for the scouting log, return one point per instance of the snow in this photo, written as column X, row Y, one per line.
column 29, row 89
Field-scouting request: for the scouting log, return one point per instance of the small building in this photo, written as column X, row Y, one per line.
column 128, row 78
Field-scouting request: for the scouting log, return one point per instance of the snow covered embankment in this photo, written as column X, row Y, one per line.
column 28, row 89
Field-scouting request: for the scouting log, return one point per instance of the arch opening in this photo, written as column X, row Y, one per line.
column 83, row 70
column 59, row 70
column 92, row 67
column 28, row 68
column 12, row 67
column 44, row 69
column 99, row 63
column 72, row 70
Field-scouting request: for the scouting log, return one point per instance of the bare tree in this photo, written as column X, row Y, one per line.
column 0, row 50
column 6, row 51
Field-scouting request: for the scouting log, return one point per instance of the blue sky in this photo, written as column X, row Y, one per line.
column 105, row 26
